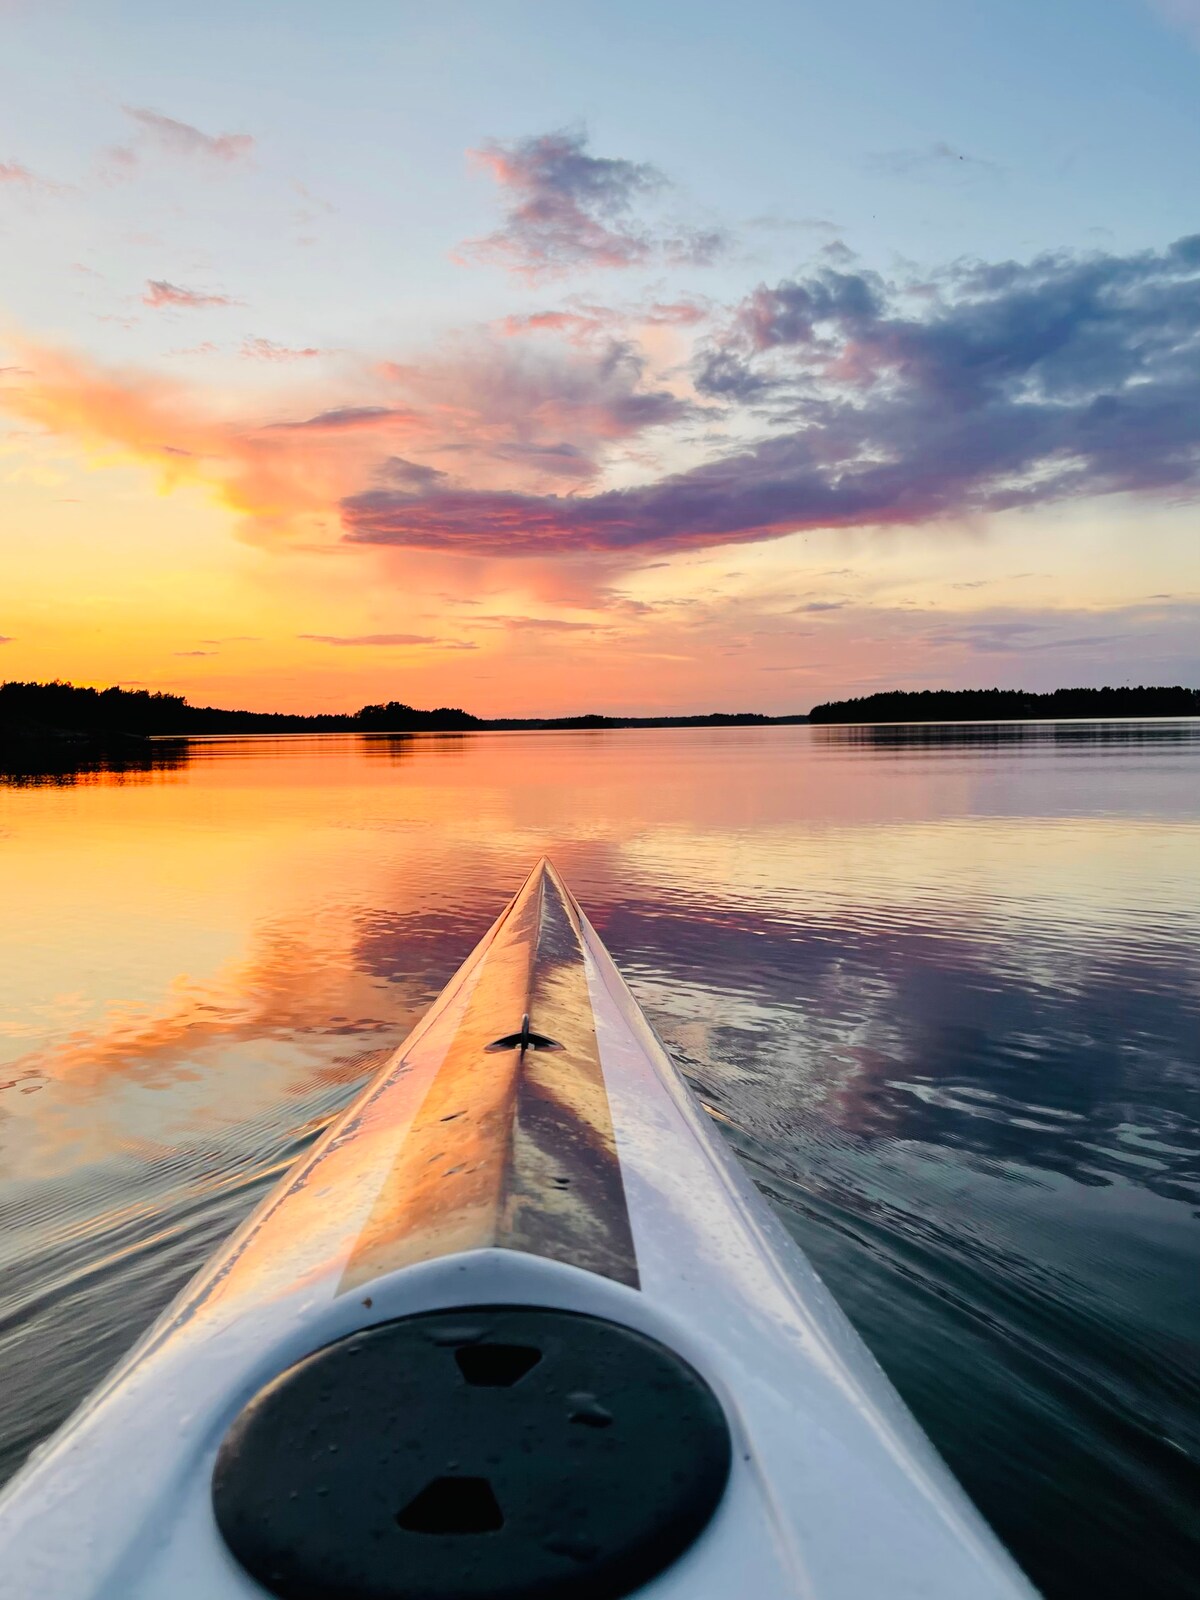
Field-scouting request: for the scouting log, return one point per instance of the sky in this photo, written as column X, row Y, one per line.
column 541, row 359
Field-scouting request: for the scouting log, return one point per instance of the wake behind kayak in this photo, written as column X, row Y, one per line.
column 518, row 1325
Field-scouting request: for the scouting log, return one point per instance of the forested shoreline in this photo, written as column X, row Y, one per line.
column 1010, row 705
column 65, row 714
column 65, row 711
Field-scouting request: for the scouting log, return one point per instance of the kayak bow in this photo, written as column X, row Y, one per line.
column 517, row 1325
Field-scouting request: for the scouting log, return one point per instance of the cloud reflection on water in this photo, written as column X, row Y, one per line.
column 942, row 995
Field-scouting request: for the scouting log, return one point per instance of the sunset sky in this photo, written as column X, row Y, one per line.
column 540, row 357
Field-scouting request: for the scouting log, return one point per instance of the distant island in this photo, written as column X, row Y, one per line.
column 63, row 714
column 1009, row 705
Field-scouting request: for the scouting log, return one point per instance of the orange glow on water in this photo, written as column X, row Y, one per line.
column 295, row 903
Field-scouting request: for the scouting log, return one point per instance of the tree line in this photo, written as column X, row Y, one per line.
column 30, row 710
column 67, row 707
column 1010, row 705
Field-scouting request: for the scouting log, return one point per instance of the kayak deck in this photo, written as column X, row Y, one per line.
column 512, row 1146
column 528, row 1151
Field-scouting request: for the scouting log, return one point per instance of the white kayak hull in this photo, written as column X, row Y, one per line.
column 583, row 1177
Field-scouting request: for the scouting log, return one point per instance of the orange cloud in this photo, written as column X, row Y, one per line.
column 503, row 418
column 160, row 423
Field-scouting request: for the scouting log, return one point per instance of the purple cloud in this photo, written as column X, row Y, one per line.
column 1009, row 385
column 569, row 209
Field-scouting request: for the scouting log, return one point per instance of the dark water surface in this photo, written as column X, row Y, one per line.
column 940, row 987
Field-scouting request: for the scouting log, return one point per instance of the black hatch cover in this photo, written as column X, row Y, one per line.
column 489, row 1453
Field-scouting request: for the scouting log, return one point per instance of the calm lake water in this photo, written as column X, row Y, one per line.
column 939, row 987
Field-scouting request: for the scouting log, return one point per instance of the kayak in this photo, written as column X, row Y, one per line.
column 517, row 1325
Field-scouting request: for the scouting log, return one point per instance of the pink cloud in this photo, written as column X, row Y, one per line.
column 580, row 322
column 181, row 138
column 160, row 293
column 678, row 313
column 573, row 324
column 12, row 172
column 268, row 350
column 505, row 408
column 480, row 412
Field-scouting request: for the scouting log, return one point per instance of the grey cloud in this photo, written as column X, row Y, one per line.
column 412, row 475
column 1009, row 637
column 696, row 247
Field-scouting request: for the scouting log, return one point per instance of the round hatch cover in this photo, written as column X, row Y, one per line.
column 486, row 1453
